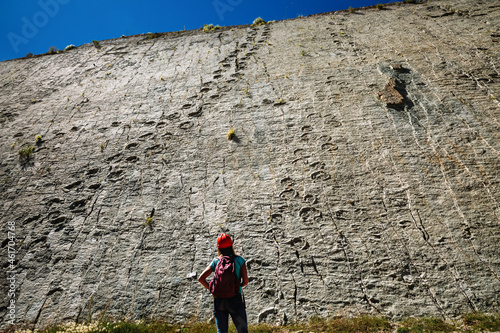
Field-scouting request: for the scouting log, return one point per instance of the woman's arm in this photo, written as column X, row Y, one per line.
column 203, row 277
column 244, row 274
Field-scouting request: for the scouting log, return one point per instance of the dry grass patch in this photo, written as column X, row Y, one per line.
column 477, row 322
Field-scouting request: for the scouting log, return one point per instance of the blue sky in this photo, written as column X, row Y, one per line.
column 36, row 25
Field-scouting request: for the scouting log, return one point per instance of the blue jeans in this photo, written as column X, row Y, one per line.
column 223, row 307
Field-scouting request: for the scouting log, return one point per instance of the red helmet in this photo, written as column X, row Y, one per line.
column 224, row 241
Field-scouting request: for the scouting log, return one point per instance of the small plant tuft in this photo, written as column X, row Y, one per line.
column 351, row 10
column 230, row 134
column 25, row 153
column 410, row 1
column 96, row 43
column 210, row 27
column 259, row 21
column 38, row 140
column 52, row 50
column 279, row 102
column 29, row 55
column 153, row 35
column 102, row 146
column 379, row 6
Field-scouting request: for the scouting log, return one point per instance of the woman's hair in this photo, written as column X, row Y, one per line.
column 226, row 251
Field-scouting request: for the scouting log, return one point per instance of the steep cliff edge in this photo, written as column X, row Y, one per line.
column 363, row 175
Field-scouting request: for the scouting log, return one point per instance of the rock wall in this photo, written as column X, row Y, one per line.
column 363, row 176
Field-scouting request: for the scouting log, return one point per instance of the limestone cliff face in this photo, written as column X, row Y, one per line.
column 363, row 175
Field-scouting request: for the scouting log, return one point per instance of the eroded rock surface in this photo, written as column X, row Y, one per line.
column 340, row 203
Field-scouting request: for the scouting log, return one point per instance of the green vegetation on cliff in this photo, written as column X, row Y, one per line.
column 477, row 322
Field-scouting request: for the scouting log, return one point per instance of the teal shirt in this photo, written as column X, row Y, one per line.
column 238, row 261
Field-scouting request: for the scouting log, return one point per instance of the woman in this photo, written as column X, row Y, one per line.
column 234, row 306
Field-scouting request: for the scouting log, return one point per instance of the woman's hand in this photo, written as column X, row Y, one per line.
column 204, row 275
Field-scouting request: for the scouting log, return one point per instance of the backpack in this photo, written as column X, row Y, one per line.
column 225, row 282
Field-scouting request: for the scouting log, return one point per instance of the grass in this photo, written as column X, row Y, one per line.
column 230, row 134
column 210, row 27
column 259, row 21
column 38, row 140
column 25, row 153
column 482, row 321
column 52, row 50
column 425, row 325
column 153, row 35
column 365, row 324
column 361, row 324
